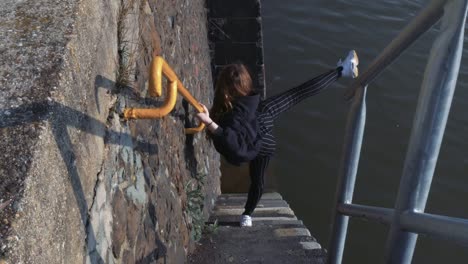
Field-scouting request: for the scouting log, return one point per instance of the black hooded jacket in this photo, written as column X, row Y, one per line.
column 237, row 137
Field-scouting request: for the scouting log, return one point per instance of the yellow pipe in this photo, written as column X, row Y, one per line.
column 194, row 130
column 153, row 113
column 159, row 67
column 155, row 80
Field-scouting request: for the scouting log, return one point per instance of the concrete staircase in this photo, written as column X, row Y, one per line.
column 277, row 236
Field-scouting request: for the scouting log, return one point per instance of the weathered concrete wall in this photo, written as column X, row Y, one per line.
column 78, row 183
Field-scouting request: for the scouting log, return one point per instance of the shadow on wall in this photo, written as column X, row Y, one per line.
column 58, row 116
column 109, row 85
column 137, row 99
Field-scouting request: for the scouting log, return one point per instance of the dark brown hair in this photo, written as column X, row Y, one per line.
column 233, row 81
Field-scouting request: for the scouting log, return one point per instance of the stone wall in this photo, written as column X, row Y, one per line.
column 77, row 182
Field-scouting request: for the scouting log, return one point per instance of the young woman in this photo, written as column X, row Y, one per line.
column 241, row 125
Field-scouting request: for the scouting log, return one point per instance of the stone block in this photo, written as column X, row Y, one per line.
column 133, row 223
column 128, row 257
column 119, row 225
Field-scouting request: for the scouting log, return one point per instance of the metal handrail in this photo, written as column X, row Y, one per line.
column 408, row 219
column 159, row 67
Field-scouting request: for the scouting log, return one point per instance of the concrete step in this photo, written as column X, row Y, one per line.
column 241, row 202
column 233, row 220
column 259, row 211
column 234, row 216
column 265, row 196
column 259, row 244
column 277, row 236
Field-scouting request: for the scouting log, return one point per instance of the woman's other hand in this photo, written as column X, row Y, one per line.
column 205, row 119
column 205, row 116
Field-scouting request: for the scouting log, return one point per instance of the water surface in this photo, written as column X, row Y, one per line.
column 303, row 38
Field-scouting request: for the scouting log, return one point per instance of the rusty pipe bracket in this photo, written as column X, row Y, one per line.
column 159, row 67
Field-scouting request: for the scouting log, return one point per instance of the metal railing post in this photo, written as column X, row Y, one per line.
column 347, row 175
column 429, row 124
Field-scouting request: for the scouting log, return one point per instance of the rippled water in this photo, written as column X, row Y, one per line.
column 302, row 38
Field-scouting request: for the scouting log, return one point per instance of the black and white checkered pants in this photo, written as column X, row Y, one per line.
column 268, row 111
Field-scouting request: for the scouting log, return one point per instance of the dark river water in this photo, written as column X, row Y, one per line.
column 303, row 38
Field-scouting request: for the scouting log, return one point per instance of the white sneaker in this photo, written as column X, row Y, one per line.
column 349, row 65
column 246, row 220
